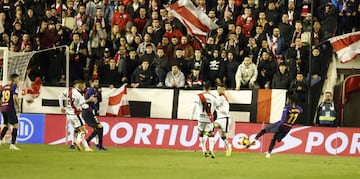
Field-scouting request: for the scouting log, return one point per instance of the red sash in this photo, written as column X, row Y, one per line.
column 206, row 107
column 72, row 103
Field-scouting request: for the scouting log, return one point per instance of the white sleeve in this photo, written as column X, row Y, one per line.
column 195, row 105
column 62, row 97
column 82, row 102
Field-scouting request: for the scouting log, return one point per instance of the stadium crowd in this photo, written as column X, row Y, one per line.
column 258, row 43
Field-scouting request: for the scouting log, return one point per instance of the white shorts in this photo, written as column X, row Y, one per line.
column 224, row 123
column 205, row 126
column 75, row 120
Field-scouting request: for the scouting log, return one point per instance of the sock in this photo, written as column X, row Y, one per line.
column 91, row 136
column 80, row 136
column 13, row 135
column 211, row 144
column 202, row 144
column 75, row 134
column 100, row 136
column 272, row 144
column 96, row 140
column 3, row 132
column 84, row 142
column 226, row 142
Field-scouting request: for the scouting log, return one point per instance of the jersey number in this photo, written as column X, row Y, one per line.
column 292, row 118
column 5, row 96
column 208, row 108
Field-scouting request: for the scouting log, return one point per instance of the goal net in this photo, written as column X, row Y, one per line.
column 18, row 62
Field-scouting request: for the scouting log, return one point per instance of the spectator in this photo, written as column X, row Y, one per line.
column 317, row 72
column 277, row 45
column 297, row 58
column 272, row 15
column 142, row 46
column 142, row 76
column 188, row 49
column 77, row 52
column 170, row 32
column 229, row 70
column 215, row 65
column 246, row 74
column 141, row 21
column 246, row 21
column 158, row 31
column 149, row 53
column 299, row 87
column 160, row 66
column 133, row 9
column 120, row 17
column 251, row 50
column 262, row 22
column 96, row 34
column 181, row 62
column 131, row 63
column 292, row 13
column 285, row 29
column 31, row 22
column 266, row 69
column 109, row 75
column 328, row 17
column 326, row 111
column 200, row 61
column 175, row 78
column 259, row 35
column 281, row 79
column 114, row 36
column 194, row 80
column 81, row 17
column 219, row 36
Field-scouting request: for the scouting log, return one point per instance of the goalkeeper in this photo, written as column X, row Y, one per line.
column 89, row 116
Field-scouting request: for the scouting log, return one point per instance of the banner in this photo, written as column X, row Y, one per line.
column 196, row 21
column 255, row 105
column 347, row 46
column 30, row 129
column 183, row 135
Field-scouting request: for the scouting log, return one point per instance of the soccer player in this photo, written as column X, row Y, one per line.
column 281, row 128
column 223, row 120
column 205, row 104
column 75, row 104
column 90, row 118
column 10, row 106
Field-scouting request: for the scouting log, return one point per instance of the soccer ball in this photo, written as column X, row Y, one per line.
column 244, row 140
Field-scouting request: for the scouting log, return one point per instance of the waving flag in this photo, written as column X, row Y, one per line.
column 196, row 21
column 118, row 104
column 347, row 46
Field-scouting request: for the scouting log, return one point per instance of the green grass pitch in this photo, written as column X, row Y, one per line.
column 57, row 161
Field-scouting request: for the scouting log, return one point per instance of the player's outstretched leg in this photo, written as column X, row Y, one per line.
column 91, row 136
column 227, row 145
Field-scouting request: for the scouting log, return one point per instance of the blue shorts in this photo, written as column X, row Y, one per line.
column 10, row 117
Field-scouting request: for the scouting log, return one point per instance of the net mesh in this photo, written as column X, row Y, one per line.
column 18, row 63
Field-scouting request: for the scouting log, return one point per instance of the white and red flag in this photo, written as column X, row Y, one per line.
column 347, row 46
column 196, row 21
column 118, row 104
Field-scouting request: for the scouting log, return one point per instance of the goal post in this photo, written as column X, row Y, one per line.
column 18, row 62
